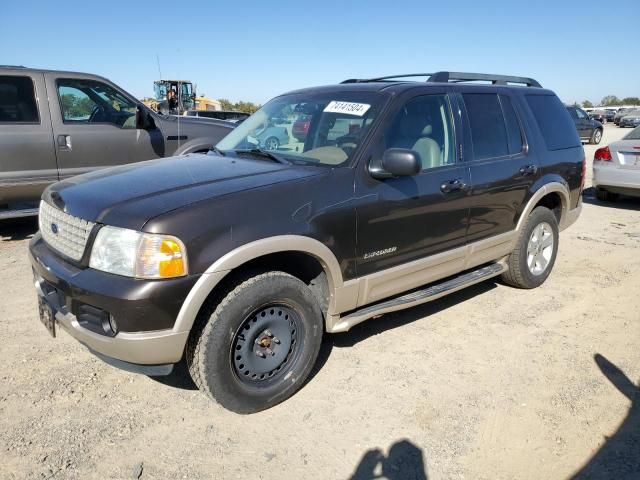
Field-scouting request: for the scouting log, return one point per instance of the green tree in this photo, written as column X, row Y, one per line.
column 610, row 100
column 248, row 107
column 225, row 104
column 587, row 104
column 631, row 101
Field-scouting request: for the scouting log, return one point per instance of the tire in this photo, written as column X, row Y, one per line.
column 521, row 274
column 257, row 346
column 605, row 196
column 596, row 137
column 271, row 143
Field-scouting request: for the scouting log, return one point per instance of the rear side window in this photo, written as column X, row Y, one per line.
column 555, row 123
column 513, row 126
column 488, row 130
column 17, row 100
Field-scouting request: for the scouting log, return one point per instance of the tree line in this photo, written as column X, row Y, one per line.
column 613, row 101
column 247, row 107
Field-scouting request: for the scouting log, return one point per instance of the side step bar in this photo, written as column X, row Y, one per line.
column 432, row 292
column 25, row 212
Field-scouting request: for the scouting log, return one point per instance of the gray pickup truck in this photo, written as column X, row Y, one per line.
column 54, row 125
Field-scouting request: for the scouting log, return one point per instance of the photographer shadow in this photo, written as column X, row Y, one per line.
column 404, row 462
column 619, row 457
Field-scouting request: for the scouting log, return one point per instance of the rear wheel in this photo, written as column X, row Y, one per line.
column 535, row 254
column 271, row 143
column 257, row 346
column 596, row 136
column 605, row 196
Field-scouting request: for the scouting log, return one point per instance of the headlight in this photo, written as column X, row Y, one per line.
column 136, row 254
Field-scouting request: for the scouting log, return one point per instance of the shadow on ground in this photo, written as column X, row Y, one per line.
column 619, row 456
column 180, row 378
column 18, row 228
column 404, row 462
column 623, row 202
column 398, row 319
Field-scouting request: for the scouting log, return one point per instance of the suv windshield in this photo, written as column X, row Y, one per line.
column 323, row 129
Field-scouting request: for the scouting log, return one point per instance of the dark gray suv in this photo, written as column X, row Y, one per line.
column 239, row 260
column 54, row 125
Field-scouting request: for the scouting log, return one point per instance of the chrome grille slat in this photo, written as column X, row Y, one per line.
column 73, row 232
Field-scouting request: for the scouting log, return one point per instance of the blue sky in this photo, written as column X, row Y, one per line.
column 254, row 50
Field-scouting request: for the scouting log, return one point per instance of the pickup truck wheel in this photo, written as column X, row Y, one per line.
column 596, row 137
column 532, row 260
column 257, row 346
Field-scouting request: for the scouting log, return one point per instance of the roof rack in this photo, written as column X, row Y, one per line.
column 387, row 78
column 455, row 77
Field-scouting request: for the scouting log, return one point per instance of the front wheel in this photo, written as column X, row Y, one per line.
column 537, row 246
column 272, row 143
column 596, row 137
column 257, row 346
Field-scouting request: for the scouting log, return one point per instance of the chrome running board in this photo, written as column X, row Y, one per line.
column 431, row 292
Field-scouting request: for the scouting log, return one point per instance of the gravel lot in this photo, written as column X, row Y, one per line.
column 489, row 383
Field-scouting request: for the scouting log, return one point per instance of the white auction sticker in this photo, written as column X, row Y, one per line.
column 349, row 108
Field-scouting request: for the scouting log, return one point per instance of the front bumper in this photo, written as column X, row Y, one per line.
column 144, row 310
column 617, row 179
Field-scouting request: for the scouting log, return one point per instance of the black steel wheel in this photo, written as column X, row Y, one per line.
column 255, row 345
column 264, row 343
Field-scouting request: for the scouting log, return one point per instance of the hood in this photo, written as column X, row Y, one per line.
column 130, row 195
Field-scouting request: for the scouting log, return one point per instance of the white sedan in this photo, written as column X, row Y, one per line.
column 616, row 168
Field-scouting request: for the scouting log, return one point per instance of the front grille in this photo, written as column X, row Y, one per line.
column 64, row 233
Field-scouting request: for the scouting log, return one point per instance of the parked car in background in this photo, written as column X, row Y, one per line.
column 599, row 116
column 300, row 128
column 630, row 119
column 609, row 113
column 271, row 137
column 228, row 115
column 590, row 130
column 620, row 113
column 54, row 125
column 616, row 168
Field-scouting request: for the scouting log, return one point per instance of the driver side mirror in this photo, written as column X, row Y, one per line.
column 144, row 120
column 397, row 162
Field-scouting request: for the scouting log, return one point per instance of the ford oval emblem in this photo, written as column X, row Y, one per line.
column 54, row 228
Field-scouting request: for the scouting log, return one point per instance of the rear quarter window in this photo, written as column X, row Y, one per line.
column 17, row 100
column 553, row 119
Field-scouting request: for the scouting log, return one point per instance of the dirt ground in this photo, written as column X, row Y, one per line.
column 489, row 383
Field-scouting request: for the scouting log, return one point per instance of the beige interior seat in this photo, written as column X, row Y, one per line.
column 428, row 149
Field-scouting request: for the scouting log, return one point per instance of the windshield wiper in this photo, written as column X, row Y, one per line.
column 259, row 152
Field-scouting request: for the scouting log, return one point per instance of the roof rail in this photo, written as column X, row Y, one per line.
column 387, row 78
column 12, row 66
column 455, row 77
column 445, row 77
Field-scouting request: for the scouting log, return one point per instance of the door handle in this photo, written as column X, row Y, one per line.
column 452, row 186
column 64, row 142
column 528, row 170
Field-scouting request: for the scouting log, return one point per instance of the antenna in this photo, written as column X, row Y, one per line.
column 158, row 60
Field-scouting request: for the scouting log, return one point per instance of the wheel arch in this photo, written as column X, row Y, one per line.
column 291, row 253
column 553, row 195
